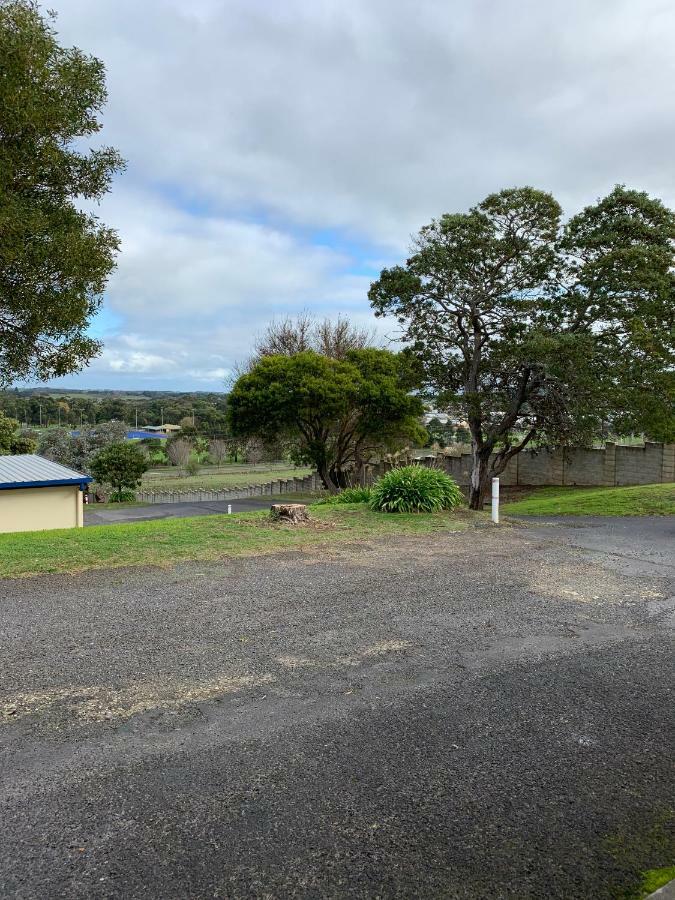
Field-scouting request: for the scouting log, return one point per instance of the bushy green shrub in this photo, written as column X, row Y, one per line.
column 414, row 489
column 122, row 497
column 193, row 465
column 349, row 495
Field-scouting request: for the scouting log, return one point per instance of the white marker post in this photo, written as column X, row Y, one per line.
column 495, row 500
column 229, row 509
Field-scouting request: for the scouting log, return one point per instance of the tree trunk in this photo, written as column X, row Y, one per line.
column 291, row 513
column 480, row 478
column 339, row 478
column 328, row 482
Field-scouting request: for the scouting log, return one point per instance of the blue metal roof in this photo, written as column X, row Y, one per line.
column 28, row 470
column 134, row 434
column 131, row 435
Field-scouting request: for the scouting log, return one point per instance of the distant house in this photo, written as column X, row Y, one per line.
column 37, row 494
column 136, row 434
column 162, row 429
column 144, row 433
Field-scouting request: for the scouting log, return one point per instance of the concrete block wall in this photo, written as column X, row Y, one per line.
column 650, row 463
column 581, row 466
column 640, row 465
column 542, row 467
column 614, row 464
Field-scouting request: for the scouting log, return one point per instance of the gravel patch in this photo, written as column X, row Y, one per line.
column 465, row 715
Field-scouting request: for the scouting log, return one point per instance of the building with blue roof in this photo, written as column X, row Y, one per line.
column 37, row 494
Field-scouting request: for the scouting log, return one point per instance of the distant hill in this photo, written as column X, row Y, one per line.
column 122, row 395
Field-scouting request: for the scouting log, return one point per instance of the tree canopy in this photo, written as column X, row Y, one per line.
column 335, row 414
column 13, row 440
column 121, row 465
column 77, row 450
column 539, row 330
column 55, row 257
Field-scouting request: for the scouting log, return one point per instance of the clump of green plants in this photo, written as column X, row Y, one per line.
column 414, row 489
column 192, row 466
column 121, row 465
column 349, row 495
column 122, row 497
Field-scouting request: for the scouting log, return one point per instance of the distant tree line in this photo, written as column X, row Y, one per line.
column 74, row 411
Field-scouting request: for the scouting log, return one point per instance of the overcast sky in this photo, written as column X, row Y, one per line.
column 281, row 153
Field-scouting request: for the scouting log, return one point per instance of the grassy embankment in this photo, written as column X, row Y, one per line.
column 167, row 541
column 641, row 500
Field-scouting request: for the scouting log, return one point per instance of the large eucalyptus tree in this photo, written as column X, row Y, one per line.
column 55, row 256
column 538, row 329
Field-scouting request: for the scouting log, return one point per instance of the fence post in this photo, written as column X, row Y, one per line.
column 495, row 500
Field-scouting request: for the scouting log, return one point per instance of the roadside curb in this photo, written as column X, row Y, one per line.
column 667, row 892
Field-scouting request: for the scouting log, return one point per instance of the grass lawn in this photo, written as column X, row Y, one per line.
column 640, row 500
column 168, row 480
column 166, row 541
column 654, row 879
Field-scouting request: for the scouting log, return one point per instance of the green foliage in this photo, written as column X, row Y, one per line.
column 333, row 414
column 77, row 451
column 12, row 441
column 54, row 257
column 415, row 489
column 349, row 495
column 539, row 330
column 439, row 433
column 23, row 443
column 122, row 497
column 120, row 465
column 86, row 408
column 8, row 429
column 193, row 465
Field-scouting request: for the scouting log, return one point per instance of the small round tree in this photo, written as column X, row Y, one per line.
column 122, row 466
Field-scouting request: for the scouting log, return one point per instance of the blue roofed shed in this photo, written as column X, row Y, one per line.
column 37, row 494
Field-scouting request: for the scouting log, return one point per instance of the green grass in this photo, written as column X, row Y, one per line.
column 168, row 480
column 639, row 850
column 654, row 879
column 641, row 500
column 166, row 541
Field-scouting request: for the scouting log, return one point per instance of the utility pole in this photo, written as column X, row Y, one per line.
column 136, row 418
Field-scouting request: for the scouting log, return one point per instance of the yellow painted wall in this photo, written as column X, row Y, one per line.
column 38, row 509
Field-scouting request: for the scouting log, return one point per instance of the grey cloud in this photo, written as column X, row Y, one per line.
column 364, row 118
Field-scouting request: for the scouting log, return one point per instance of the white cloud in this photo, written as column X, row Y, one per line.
column 253, row 128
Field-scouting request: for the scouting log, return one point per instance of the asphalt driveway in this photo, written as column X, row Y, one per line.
column 112, row 516
column 474, row 715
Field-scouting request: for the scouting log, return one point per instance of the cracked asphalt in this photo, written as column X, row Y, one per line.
column 473, row 715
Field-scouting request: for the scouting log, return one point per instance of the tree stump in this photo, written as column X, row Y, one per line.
column 293, row 513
